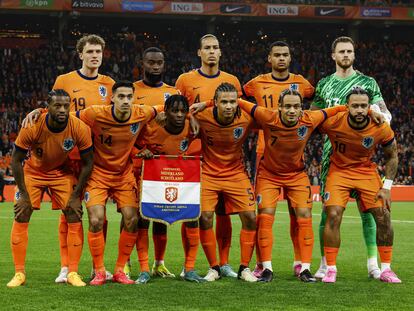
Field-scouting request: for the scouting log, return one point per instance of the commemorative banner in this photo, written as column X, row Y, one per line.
column 170, row 189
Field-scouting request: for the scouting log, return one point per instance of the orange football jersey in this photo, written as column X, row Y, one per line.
column 354, row 148
column 84, row 91
column 222, row 145
column 159, row 141
column 266, row 91
column 49, row 149
column 199, row 87
column 152, row 95
column 285, row 145
column 113, row 139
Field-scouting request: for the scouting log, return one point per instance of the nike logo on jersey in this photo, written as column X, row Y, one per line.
column 196, row 88
column 138, row 98
column 106, row 128
column 75, row 91
column 267, row 87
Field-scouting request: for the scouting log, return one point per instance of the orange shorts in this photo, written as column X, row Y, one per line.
column 238, row 196
column 60, row 189
column 338, row 189
column 296, row 187
column 122, row 189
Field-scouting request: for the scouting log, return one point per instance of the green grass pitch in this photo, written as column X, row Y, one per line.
column 353, row 289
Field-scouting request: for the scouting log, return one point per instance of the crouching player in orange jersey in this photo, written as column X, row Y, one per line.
column 286, row 133
column 354, row 138
column 171, row 139
column 50, row 141
column 223, row 130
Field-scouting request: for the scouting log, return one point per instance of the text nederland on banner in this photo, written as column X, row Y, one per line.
column 170, row 189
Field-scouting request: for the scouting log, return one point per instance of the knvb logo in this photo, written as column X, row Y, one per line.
column 171, row 194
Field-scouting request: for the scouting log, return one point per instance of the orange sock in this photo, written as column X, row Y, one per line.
column 208, row 241
column 305, row 238
column 294, row 236
column 19, row 240
column 75, row 245
column 97, row 248
column 63, row 241
column 331, row 253
column 142, row 249
column 126, row 244
column 257, row 249
column 385, row 253
column 184, row 238
column 247, row 241
column 193, row 239
column 160, row 245
column 223, row 236
column 265, row 236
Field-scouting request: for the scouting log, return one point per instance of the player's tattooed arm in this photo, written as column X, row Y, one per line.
column 74, row 202
column 381, row 107
column 391, row 160
column 391, row 167
column 23, row 205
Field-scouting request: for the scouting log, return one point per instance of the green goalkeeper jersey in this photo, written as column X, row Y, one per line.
column 331, row 91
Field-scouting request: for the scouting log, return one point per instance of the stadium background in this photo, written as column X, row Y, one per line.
column 37, row 43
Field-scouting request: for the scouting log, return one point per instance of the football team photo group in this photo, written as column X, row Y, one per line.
column 88, row 147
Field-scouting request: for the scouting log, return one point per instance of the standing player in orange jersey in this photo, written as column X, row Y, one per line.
column 286, row 133
column 265, row 90
column 151, row 91
column 50, row 141
column 200, row 85
column 354, row 138
column 115, row 129
column 171, row 139
column 223, row 130
column 86, row 87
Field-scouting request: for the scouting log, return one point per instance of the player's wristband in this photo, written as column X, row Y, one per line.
column 387, row 184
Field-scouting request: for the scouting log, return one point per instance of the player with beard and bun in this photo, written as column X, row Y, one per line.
column 355, row 138
column 86, row 87
column 50, row 141
column 330, row 91
column 200, row 85
column 152, row 91
column 265, row 90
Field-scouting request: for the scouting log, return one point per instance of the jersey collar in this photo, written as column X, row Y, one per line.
column 115, row 118
column 156, row 85
column 53, row 130
column 280, row 80
column 360, row 128
column 207, row 76
column 85, row 77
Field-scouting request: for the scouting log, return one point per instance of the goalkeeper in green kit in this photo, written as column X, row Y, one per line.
column 332, row 91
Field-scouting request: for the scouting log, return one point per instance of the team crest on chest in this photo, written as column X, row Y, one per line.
column 294, row 87
column 134, row 128
column 17, row 195
column 184, row 145
column 102, row 91
column 368, row 141
column 302, row 132
column 68, row 144
column 86, row 197
column 166, row 95
column 238, row 132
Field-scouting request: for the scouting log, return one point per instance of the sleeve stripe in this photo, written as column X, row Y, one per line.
column 388, row 142
column 325, row 116
column 253, row 111
column 86, row 150
column 78, row 114
column 20, row 148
